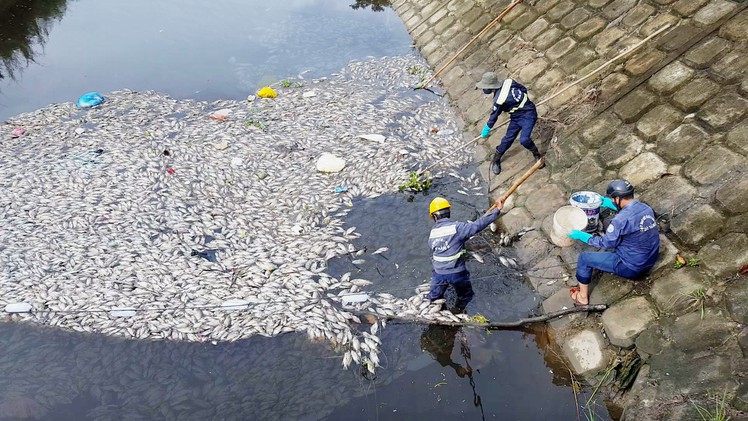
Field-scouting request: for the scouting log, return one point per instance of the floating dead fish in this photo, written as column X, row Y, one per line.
column 100, row 207
column 122, row 312
column 477, row 257
column 235, row 304
column 380, row 250
column 373, row 137
column 354, row 298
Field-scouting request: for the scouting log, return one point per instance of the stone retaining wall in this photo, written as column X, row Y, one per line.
column 671, row 119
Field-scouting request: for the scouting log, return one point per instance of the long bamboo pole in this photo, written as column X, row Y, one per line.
column 517, row 183
column 457, row 54
column 578, row 81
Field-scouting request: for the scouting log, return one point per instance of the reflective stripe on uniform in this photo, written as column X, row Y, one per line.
column 504, row 93
column 443, row 231
column 521, row 104
column 448, row 258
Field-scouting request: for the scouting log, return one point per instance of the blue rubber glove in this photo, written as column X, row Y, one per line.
column 608, row 203
column 579, row 235
column 486, row 131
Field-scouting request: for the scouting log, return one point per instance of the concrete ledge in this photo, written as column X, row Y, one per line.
column 624, row 321
column 585, row 352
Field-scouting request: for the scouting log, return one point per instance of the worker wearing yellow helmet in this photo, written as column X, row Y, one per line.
column 447, row 243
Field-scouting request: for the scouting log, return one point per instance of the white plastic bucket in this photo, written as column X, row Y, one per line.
column 589, row 202
column 565, row 220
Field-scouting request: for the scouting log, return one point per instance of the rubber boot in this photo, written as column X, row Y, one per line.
column 496, row 163
column 536, row 154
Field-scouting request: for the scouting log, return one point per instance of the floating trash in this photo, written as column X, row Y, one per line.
column 222, row 145
column 18, row 308
column 122, row 312
column 330, row 163
column 235, row 162
column 341, row 189
column 17, row 132
column 267, row 92
column 90, row 99
column 309, row 94
column 221, row 114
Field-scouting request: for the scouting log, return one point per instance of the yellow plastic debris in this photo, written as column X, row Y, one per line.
column 267, row 92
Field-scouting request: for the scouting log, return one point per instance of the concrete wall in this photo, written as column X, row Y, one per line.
column 670, row 117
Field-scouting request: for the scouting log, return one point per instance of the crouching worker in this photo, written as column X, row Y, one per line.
column 632, row 234
column 447, row 243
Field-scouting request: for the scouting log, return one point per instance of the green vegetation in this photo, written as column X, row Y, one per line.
column 255, row 123
column 416, row 183
column 698, row 298
column 376, row 5
column 720, row 410
column 288, row 84
column 478, row 318
column 415, row 70
column 692, row 262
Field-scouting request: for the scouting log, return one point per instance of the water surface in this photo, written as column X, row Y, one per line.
column 53, row 51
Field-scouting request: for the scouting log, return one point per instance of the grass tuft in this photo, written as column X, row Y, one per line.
column 698, row 298
column 720, row 409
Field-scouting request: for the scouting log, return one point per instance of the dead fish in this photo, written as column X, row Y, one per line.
column 380, row 250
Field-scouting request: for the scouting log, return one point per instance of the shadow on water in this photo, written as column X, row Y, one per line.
column 223, row 49
column 376, row 5
column 24, row 26
column 400, row 222
column 451, row 372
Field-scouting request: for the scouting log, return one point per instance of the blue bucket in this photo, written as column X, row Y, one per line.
column 590, row 203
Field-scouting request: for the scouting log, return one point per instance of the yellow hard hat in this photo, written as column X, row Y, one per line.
column 438, row 204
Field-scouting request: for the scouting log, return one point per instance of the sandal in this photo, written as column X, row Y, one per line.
column 574, row 294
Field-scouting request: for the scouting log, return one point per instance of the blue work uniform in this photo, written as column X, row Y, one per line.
column 512, row 98
column 447, row 243
column 634, row 235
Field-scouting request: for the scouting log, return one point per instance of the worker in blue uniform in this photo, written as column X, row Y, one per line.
column 447, row 243
column 511, row 97
column 632, row 234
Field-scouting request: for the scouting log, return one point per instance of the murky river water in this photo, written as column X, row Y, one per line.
column 57, row 50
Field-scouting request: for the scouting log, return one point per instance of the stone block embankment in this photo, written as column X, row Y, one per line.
column 671, row 117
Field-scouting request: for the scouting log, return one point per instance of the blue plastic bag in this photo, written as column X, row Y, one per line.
column 90, row 99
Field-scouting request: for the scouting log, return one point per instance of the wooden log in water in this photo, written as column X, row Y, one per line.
column 490, row 325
